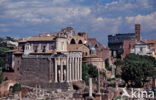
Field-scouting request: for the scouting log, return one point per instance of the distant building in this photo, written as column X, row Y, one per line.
column 128, row 45
column 152, row 46
column 116, row 42
column 141, row 48
column 46, row 59
column 53, row 58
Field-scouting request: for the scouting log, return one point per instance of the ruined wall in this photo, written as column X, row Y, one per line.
column 36, row 71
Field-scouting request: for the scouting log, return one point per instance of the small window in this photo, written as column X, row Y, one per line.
column 35, row 49
column 62, row 46
column 96, row 45
column 141, row 49
column 86, row 53
column 44, row 49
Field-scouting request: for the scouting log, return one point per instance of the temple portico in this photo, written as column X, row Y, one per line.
column 68, row 68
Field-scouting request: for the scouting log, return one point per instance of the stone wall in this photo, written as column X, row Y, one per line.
column 36, row 71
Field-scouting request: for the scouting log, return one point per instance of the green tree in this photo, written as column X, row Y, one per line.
column 3, row 51
column 16, row 88
column 107, row 65
column 88, row 70
column 136, row 69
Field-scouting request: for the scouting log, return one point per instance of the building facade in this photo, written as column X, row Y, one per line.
column 54, row 58
column 141, row 48
column 46, row 59
column 116, row 42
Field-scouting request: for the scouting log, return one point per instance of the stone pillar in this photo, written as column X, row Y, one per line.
column 78, row 69
column 98, row 85
column 90, row 88
column 47, row 47
column 55, row 70
column 69, row 65
column 73, row 74
column 32, row 49
column 67, row 68
column 113, row 71
column 39, row 48
column 75, row 69
column 61, row 62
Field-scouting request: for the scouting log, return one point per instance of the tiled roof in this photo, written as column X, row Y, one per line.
column 16, row 51
column 150, row 41
column 38, row 38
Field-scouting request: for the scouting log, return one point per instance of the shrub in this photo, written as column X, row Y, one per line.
column 16, row 88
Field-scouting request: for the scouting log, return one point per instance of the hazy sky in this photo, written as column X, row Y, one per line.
column 23, row 18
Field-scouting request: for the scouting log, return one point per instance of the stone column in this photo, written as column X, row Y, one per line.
column 90, row 87
column 61, row 62
column 78, row 69
column 39, row 48
column 67, row 69
column 47, row 47
column 32, row 49
column 73, row 74
column 98, row 85
column 55, row 70
column 70, row 69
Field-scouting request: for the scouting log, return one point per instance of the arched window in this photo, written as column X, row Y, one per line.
column 80, row 42
column 72, row 41
column 96, row 45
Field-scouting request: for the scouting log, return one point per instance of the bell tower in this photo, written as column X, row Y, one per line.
column 137, row 32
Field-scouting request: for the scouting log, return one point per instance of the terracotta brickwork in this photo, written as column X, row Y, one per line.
column 127, row 46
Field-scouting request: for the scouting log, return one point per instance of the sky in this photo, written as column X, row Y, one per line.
column 98, row 18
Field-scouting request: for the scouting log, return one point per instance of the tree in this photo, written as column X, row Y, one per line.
column 136, row 69
column 16, row 88
column 88, row 70
column 3, row 51
column 107, row 65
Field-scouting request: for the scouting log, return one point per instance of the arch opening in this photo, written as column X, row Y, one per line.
column 80, row 42
column 72, row 41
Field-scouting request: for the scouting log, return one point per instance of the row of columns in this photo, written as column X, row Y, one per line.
column 73, row 69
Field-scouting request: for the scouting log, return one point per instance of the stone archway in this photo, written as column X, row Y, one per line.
column 80, row 42
column 72, row 41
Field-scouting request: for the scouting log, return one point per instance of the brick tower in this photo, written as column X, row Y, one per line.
column 137, row 32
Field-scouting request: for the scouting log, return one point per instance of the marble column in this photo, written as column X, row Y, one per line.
column 55, row 70
column 73, row 74
column 61, row 62
column 90, row 87
column 78, row 69
column 70, row 69
column 47, row 47
column 67, row 69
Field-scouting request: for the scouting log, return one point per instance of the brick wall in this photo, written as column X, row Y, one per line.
column 127, row 46
column 36, row 71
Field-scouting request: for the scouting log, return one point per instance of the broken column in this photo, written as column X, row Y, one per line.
column 98, row 94
column 90, row 90
column 113, row 71
column 98, row 85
